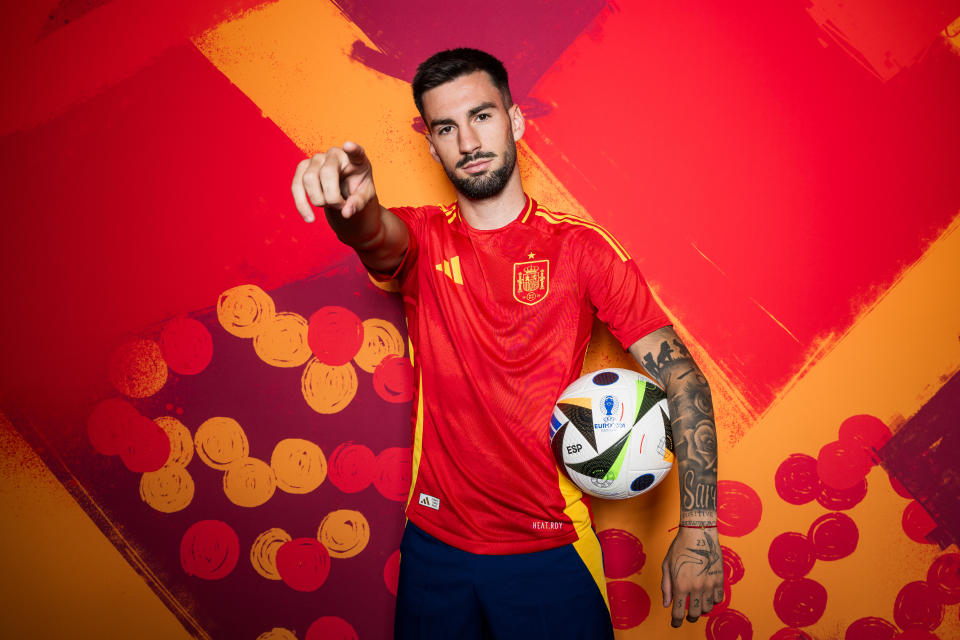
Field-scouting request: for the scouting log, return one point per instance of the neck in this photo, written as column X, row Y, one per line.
column 497, row 211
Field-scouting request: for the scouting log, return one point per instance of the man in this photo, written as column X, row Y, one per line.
column 499, row 294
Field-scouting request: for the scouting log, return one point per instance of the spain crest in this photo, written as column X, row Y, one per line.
column 531, row 281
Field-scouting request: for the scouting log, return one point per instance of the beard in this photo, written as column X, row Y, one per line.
column 488, row 184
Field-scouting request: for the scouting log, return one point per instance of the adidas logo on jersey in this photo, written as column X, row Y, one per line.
column 429, row 501
column 451, row 269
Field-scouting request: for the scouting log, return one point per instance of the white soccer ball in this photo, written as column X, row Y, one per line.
column 610, row 433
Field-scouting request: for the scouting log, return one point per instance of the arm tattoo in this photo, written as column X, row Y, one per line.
column 705, row 555
column 694, row 433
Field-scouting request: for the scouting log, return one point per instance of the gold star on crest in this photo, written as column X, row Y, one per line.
column 531, row 255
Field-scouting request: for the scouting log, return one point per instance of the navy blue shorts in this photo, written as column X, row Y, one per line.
column 448, row 594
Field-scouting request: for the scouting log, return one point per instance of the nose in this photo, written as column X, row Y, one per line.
column 469, row 141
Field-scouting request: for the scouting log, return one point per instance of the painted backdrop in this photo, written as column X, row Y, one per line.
column 206, row 399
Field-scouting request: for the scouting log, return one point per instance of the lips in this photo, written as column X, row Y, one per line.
column 477, row 167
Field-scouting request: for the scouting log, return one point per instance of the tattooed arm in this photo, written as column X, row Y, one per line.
column 693, row 565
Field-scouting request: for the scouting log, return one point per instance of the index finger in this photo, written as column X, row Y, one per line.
column 355, row 152
column 300, row 194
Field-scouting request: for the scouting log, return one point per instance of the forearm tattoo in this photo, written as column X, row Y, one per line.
column 694, row 432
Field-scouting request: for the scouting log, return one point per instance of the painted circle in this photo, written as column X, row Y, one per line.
column 729, row 624
column 299, row 465
column 168, row 490
column 380, row 339
column 394, row 471
column 181, row 440
column 242, row 310
column 842, row 499
column 344, row 532
column 629, row 604
column 303, row 564
column 109, row 424
column 282, row 340
column 187, row 345
column 622, row 553
column 393, row 379
column 326, row 388
column 351, row 467
column 334, row 335
column 865, row 431
column 209, row 550
column 331, row 628
column 738, row 508
column 870, row 629
column 391, row 572
column 732, row 566
column 263, row 552
column 796, row 479
column 917, row 523
column 918, row 606
column 249, row 482
column 834, row 536
column 842, row 465
column 137, row 368
column 790, row 633
column 944, row 576
column 800, row 602
column 220, row 442
column 147, row 446
column 791, row 555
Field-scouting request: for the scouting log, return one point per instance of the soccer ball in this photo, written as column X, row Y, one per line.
column 610, row 433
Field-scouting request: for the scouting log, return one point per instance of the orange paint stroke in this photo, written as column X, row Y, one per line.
column 326, row 388
column 263, row 554
column 344, row 533
column 221, row 441
column 249, row 482
column 282, row 341
column 299, row 465
column 244, row 310
column 168, row 490
column 380, row 339
column 181, row 440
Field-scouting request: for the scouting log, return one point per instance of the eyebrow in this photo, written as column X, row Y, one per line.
column 483, row 106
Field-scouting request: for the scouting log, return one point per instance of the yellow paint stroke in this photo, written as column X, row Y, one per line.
column 299, row 465
column 249, row 482
column 181, row 441
column 137, row 368
column 326, row 388
column 244, row 310
column 344, row 533
column 282, row 341
column 277, row 633
column 952, row 35
column 263, row 554
column 221, row 441
column 168, row 489
column 380, row 339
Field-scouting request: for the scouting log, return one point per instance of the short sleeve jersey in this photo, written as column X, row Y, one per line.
column 499, row 322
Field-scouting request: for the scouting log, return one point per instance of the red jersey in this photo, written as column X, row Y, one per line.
column 499, row 321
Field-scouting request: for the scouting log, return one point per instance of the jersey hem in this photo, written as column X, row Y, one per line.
column 491, row 548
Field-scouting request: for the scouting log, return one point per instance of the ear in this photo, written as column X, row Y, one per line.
column 517, row 122
column 433, row 149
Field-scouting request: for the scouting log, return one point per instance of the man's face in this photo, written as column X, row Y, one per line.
column 472, row 134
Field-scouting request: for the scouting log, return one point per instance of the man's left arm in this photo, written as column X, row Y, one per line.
column 693, row 566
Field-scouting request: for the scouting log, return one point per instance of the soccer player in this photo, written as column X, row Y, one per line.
column 500, row 294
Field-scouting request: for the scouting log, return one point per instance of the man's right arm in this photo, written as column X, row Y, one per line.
column 341, row 181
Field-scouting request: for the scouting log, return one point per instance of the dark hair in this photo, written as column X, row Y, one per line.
column 445, row 66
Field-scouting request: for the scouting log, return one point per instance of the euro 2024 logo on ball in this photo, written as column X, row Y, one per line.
column 611, row 413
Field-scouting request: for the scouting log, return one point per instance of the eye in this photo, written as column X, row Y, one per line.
column 444, row 130
column 483, row 116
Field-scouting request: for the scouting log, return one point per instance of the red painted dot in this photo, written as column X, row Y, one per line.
column 109, row 425
column 187, row 345
column 723, row 605
column 842, row 499
column 622, row 553
column 351, row 467
column 870, row 629
column 865, row 431
column 918, row 606
column 629, row 604
column 393, row 379
column 209, row 549
column 303, row 564
column 738, row 508
column 901, row 490
column 147, row 446
column 917, row 634
column 944, row 576
column 796, row 479
column 917, row 523
column 789, row 633
column 729, row 625
column 834, row 536
column 335, row 335
column 842, row 465
column 394, row 470
column 732, row 566
column 391, row 572
column 800, row 602
column 331, row 628
column 791, row 555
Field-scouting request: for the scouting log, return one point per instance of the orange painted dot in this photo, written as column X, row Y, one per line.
column 328, row 389
column 390, row 286
column 249, row 482
column 277, row 633
column 299, row 465
column 243, row 310
column 137, row 368
column 344, row 533
column 380, row 339
column 181, row 441
column 221, row 441
column 263, row 553
column 283, row 341
column 168, row 490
